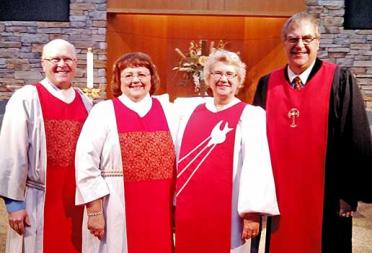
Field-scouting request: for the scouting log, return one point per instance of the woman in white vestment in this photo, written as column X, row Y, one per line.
column 125, row 164
column 224, row 175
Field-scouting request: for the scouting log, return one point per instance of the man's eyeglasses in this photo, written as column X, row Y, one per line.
column 306, row 40
column 56, row 60
column 218, row 75
column 130, row 76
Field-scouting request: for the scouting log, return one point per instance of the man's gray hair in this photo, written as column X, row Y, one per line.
column 296, row 19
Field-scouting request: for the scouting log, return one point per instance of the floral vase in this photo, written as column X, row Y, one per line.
column 200, row 87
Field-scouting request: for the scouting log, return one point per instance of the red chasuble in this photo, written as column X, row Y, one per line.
column 204, row 181
column 148, row 164
column 62, row 219
column 297, row 128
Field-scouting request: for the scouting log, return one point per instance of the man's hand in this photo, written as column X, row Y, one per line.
column 251, row 225
column 345, row 209
column 96, row 225
column 18, row 220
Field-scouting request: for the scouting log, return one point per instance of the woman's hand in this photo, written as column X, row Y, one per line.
column 96, row 225
column 251, row 225
column 96, row 219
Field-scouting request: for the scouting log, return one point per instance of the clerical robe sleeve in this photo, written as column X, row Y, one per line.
column 350, row 147
column 261, row 92
column 17, row 129
column 257, row 188
column 90, row 185
column 170, row 114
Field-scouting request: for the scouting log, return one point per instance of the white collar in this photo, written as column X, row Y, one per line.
column 66, row 95
column 303, row 76
column 212, row 107
column 141, row 107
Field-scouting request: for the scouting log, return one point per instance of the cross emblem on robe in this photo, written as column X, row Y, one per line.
column 292, row 115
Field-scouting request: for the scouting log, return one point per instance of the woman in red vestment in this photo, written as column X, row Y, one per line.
column 125, row 165
column 224, row 180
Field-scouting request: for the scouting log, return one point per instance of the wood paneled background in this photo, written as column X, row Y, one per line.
column 219, row 7
column 256, row 38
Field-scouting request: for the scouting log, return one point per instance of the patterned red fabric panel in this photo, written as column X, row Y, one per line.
column 147, row 155
column 61, row 146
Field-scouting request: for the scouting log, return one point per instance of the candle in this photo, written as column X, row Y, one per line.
column 180, row 53
column 90, row 68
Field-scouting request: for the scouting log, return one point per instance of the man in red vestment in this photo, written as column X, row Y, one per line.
column 41, row 126
column 320, row 145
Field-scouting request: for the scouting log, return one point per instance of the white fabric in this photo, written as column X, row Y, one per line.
column 303, row 76
column 141, row 107
column 66, row 95
column 253, row 182
column 23, row 158
column 98, row 151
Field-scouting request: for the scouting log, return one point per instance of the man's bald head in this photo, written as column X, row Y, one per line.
column 59, row 62
column 56, row 43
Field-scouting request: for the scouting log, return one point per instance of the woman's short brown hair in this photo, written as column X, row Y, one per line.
column 133, row 60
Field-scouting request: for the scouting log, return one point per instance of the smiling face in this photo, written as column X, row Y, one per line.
column 135, row 82
column 59, row 63
column 223, row 82
column 301, row 50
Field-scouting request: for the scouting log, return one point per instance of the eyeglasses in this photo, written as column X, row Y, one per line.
column 218, row 75
column 56, row 60
column 306, row 40
column 130, row 76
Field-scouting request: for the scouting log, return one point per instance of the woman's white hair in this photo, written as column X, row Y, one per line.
column 228, row 57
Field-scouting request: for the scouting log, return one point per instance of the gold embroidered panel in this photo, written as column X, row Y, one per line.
column 61, row 139
column 147, row 155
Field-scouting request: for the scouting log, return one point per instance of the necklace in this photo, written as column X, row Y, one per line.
column 219, row 107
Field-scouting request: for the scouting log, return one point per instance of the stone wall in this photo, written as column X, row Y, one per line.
column 349, row 48
column 21, row 44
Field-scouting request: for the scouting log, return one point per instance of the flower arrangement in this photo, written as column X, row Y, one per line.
column 192, row 63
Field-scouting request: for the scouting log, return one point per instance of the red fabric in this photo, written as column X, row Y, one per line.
column 148, row 164
column 298, row 159
column 203, row 207
column 62, row 219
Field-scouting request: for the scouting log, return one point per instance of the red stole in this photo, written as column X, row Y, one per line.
column 62, row 219
column 297, row 128
column 204, row 189
column 148, row 158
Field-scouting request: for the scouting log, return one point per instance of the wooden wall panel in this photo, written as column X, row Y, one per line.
column 264, row 50
column 257, row 40
column 128, row 33
column 208, row 7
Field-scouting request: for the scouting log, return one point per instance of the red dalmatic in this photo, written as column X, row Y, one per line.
column 148, row 164
column 62, row 219
column 297, row 128
column 204, row 181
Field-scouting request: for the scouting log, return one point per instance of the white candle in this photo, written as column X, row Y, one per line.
column 90, row 68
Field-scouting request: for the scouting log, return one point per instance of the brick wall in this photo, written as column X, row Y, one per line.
column 350, row 48
column 21, row 43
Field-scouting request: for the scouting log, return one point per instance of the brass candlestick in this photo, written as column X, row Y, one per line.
column 92, row 93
